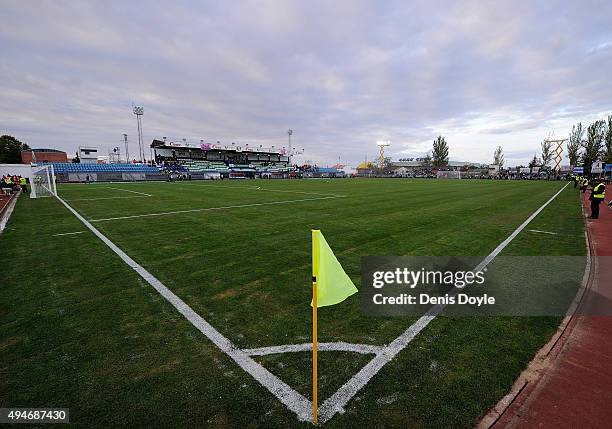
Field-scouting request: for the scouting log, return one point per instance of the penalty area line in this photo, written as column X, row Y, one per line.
column 127, row 190
column 336, row 403
column 259, row 188
column 211, row 209
column 108, row 198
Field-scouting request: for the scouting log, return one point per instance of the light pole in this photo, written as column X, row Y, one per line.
column 127, row 153
column 139, row 111
column 289, row 133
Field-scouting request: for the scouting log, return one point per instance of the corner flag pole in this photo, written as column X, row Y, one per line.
column 315, row 273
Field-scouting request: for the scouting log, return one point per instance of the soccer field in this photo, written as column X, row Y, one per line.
column 81, row 329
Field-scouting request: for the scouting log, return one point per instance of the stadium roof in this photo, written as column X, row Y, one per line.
column 44, row 150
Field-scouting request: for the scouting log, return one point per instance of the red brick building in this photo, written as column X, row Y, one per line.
column 43, row 155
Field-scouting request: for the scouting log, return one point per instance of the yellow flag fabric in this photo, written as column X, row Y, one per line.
column 333, row 284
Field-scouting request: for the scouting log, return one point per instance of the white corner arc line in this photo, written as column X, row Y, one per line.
column 340, row 346
column 127, row 190
column 68, row 233
column 294, row 401
column 542, row 232
column 211, row 209
column 338, row 400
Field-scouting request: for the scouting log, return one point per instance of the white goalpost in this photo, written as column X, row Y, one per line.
column 42, row 181
column 449, row 174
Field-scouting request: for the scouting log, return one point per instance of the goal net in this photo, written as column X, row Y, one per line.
column 42, row 181
column 449, row 174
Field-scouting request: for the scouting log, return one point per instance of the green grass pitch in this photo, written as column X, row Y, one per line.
column 80, row 329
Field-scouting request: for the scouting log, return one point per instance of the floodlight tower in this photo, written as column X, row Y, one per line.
column 382, row 144
column 127, row 153
column 289, row 133
column 558, row 152
column 139, row 111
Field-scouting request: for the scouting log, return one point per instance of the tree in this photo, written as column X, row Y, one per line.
column 440, row 152
column 546, row 152
column 607, row 155
column 426, row 162
column 592, row 145
column 574, row 144
column 535, row 162
column 498, row 157
column 10, row 150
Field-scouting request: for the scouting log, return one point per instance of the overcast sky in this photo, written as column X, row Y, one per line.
column 342, row 75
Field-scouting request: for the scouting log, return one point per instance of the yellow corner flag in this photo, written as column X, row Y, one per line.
column 333, row 284
column 330, row 285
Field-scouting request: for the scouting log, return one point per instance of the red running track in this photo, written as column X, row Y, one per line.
column 573, row 387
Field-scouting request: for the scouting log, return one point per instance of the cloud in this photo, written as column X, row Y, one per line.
column 341, row 74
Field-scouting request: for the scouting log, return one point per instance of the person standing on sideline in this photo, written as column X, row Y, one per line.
column 23, row 184
column 584, row 184
column 598, row 194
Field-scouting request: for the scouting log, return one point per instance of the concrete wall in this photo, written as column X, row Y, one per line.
column 23, row 170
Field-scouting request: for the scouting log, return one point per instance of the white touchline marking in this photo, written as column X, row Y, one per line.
column 331, row 347
column 210, row 209
column 294, row 401
column 336, row 403
column 68, row 233
column 127, row 190
column 542, row 232
column 4, row 218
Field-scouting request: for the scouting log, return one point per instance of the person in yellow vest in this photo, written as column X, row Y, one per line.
column 583, row 184
column 23, row 184
column 598, row 194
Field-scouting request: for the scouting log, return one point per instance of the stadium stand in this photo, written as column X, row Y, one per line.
column 83, row 172
column 67, row 167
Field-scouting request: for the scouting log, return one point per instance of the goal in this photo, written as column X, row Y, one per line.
column 42, row 181
column 449, row 174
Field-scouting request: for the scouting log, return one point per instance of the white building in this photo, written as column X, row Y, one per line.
column 88, row 154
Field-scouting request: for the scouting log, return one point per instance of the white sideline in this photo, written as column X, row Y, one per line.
column 341, row 346
column 294, row 401
column 133, row 192
column 4, row 218
column 338, row 400
column 210, row 209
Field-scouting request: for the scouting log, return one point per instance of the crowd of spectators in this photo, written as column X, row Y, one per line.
column 10, row 184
